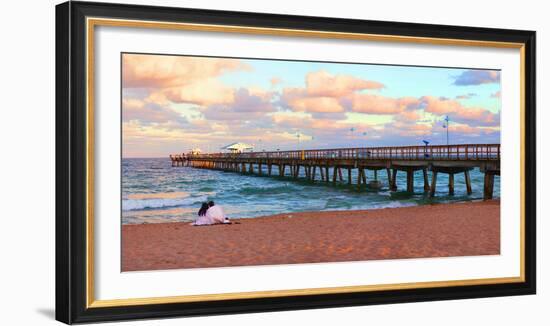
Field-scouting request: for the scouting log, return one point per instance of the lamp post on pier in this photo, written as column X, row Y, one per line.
column 446, row 126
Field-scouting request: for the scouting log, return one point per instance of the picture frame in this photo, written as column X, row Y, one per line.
column 76, row 23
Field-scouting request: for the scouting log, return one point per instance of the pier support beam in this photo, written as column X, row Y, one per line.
column 349, row 175
column 451, row 171
column 451, row 184
column 426, row 181
column 313, row 173
column 393, row 186
column 334, row 174
column 488, row 185
column 434, row 183
column 327, row 173
column 410, row 180
column 468, row 182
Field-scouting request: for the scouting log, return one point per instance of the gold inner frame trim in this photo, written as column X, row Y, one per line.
column 92, row 22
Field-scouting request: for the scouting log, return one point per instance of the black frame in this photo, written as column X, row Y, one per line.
column 71, row 162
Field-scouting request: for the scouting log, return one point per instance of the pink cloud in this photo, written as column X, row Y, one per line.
column 298, row 100
column 275, row 81
column 464, row 129
column 201, row 92
column 146, row 112
column 376, row 104
column 325, row 93
column 412, row 115
column 316, row 104
column 324, row 84
column 246, row 104
column 459, row 113
column 325, row 126
column 160, row 71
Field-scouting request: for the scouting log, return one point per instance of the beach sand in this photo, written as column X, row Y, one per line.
column 440, row 230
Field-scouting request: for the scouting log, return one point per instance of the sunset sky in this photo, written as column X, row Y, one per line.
column 171, row 104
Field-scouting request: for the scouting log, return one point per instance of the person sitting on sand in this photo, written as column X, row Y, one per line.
column 210, row 214
column 203, row 219
column 204, row 208
column 215, row 213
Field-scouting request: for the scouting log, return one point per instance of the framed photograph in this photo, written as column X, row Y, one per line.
column 212, row 162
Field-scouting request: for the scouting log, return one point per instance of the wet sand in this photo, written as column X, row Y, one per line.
column 441, row 230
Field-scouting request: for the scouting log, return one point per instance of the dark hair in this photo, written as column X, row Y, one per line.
column 204, row 208
column 210, row 203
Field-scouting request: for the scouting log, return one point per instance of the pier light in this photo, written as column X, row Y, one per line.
column 446, row 126
column 426, row 151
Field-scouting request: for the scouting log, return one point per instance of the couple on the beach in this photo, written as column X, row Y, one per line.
column 211, row 214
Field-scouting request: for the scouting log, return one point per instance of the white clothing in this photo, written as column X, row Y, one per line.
column 214, row 215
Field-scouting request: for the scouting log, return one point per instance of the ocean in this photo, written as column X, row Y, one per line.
column 155, row 192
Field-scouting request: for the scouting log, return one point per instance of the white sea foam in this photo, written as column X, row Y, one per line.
column 137, row 204
column 394, row 204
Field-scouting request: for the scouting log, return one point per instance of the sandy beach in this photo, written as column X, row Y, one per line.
column 440, row 230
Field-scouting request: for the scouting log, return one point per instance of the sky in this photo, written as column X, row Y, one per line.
column 172, row 104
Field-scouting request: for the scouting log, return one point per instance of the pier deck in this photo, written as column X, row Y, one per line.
column 447, row 159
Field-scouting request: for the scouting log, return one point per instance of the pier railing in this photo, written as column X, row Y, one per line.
column 475, row 152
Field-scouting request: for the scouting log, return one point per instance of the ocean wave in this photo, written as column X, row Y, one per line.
column 394, row 204
column 151, row 203
column 158, row 195
column 267, row 190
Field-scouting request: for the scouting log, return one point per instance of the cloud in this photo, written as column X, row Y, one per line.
column 252, row 100
column 459, row 113
column 323, row 84
column 325, row 93
column 301, row 121
column 411, row 115
column 201, row 92
column 147, row 113
column 247, row 104
column 161, row 71
column 275, row 81
column 329, row 115
column 410, row 129
column 297, row 99
column 477, row 77
column 377, row 104
column 465, row 96
column 316, row 104
column 290, row 120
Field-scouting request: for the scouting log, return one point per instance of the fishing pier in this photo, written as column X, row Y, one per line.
column 329, row 164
